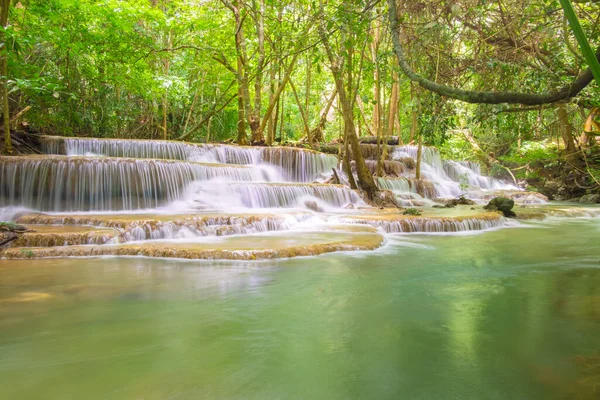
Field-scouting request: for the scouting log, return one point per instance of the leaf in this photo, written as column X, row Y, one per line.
column 586, row 49
column 56, row 95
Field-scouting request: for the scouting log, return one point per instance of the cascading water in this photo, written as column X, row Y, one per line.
column 448, row 177
column 164, row 190
column 297, row 165
column 221, row 195
column 405, row 190
column 470, row 172
column 60, row 183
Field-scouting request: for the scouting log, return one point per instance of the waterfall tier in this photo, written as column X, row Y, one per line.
column 403, row 223
column 236, row 195
column 59, row 183
column 297, row 165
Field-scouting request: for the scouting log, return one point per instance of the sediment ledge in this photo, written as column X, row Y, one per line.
column 48, row 236
column 165, row 226
column 258, row 247
column 395, row 223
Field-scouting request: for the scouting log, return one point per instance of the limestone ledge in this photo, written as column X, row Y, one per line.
column 395, row 223
column 157, row 226
column 59, row 139
column 48, row 235
column 53, row 158
column 258, row 247
column 544, row 211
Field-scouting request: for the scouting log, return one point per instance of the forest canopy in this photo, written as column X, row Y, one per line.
column 265, row 71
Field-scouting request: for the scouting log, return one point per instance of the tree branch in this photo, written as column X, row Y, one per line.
column 480, row 97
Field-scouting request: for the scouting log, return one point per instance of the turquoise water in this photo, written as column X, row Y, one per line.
column 507, row 314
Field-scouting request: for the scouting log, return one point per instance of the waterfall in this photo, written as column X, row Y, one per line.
column 471, row 173
column 409, row 192
column 128, row 148
column 297, row 165
column 221, row 195
column 59, row 183
column 449, row 175
column 429, row 225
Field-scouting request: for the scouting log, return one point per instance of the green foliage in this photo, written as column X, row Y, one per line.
column 456, row 148
column 530, row 152
column 27, row 253
column 586, row 49
column 114, row 67
column 8, row 225
column 412, row 211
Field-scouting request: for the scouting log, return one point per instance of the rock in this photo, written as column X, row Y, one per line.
column 590, row 198
column 386, row 199
column 554, row 190
column 349, row 206
column 462, row 200
column 312, row 205
column 502, row 204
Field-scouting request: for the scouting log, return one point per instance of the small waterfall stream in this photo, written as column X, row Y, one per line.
column 448, row 178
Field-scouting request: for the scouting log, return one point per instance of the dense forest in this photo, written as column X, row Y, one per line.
column 502, row 82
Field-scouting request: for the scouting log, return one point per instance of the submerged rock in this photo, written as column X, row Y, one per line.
column 503, row 205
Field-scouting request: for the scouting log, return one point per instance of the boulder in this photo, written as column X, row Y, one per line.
column 503, row 205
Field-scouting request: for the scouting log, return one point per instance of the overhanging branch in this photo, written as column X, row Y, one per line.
column 480, row 97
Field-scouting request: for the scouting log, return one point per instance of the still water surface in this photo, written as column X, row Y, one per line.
column 507, row 314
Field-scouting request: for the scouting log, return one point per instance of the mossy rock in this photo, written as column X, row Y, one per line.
column 503, row 205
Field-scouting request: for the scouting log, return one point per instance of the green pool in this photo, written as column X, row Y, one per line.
column 507, row 314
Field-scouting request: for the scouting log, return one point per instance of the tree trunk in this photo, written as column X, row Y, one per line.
column 241, row 123
column 391, row 122
column 566, row 130
column 307, row 131
column 317, row 132
column 272, row 124
column 414, row 113
column 365, row 178
column 419, row 157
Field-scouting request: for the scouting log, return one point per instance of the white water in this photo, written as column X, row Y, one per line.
column 62, row 183
column 162, row 178
column 448, row 176
column 295, row 165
